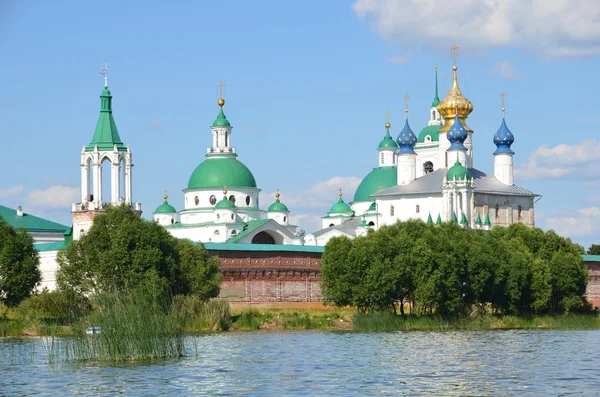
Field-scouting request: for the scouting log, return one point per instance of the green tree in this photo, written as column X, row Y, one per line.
column 122, row 251
column 594, row 249
column 335, row 269
column 19, row 265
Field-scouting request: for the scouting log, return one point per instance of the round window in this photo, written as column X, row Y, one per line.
column 196, row 200
column 213, row 200
column 247, row 200
column 232, row 198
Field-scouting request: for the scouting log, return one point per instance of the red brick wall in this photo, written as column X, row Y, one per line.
column 593, row 288
column 252, row 276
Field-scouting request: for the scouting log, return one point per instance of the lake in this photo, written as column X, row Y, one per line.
column 327, row 364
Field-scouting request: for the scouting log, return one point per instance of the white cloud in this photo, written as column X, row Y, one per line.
column 398, row 60
column 579, row 161
column 584, row 222
column 53, row 197
column 552, row 28
column 10, row 192
column 507, row 70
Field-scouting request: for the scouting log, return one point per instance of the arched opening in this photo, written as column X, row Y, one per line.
column 391, row 210
column 382, row 157
column 418, row 209
column 263, row 238
column 497, row 211
column 232, row 198
column 427, row 167
column 213, row 200
column 248, row 200
column 105, row 166
column 90, row 181
column 371, row 223
column 519, row 213
column 331, row 225
column 122, row 180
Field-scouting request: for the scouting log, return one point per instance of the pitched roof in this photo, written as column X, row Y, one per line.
column 348, row 227
column 432, row 184
column 30, row 222
column 56, row 246
column 249, row 228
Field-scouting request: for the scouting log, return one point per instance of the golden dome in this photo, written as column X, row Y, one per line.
column 453, row 100
column 221, row 102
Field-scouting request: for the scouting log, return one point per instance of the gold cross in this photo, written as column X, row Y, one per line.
column 454, row 48
column 406, row 108
column 387, row 116
column 503, row 95
column 221, row 85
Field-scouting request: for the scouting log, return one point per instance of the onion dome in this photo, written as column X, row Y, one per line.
column 458, row 171
column 165, row 207
column 406, row 140
column 225, row 203
column 455, row 103
column 457, row 135
column 387, row 142
column 278, row 206
column 503, row 139
column 340, row 207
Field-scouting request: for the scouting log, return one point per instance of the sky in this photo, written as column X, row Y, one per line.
column 307, row 85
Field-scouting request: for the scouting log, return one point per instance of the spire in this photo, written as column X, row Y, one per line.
column 478, row 219
column 221, row 120
column 436, row 99
column 406, row 139
column 454, row 219
column 104, row 72
column 106, row 136
column 429, row 219
column 438, row 221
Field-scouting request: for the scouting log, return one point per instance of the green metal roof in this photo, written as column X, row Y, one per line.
column 217, row 172
column 278, row 206
column 436, row 99
column 388, row 142
column 30, row 223
column 228, row 246
column 478, row 219
column 250, row 227
column 458, row 171
column 165, row 208
column 106, row 135
column 221, row 120
column 385, row 177
column 438, row 221
column 591, row 258
column 340, row 207
column 41, row 247
column 429, row 219
column 431, row 130
column 225, row 203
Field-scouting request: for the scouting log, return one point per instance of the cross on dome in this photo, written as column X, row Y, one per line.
column 104, row 72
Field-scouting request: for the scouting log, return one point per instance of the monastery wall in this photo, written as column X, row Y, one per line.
column 593, row 288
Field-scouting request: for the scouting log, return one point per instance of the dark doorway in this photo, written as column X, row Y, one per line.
column 263, row 238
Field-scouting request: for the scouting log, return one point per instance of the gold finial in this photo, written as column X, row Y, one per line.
column 387, row 119
column 225, row 190
column 454, row 48
column 104, row 72
column 406, row 108
column 165, row 196
column 277, row 194
column 503, row 95
column 340, row 192
column 436, row 65
column 221, row 101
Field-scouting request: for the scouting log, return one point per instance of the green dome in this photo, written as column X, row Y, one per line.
column 340, row 207
column 458, row 171
column 373, row 207
column 431, row 130
column 385, row 177
column 214, row 173
column 387, row 142
column 225, row 203
column 165, row 208
column 221, row 120
column 278, row 206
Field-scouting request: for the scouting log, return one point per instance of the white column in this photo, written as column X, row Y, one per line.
column 469, row 145
column 407, row 168
column 445, row 199
column 465, row 204
column 97, row 171
column 128, row 186
column 503, row 168
column 115, row 171
column 85, row 181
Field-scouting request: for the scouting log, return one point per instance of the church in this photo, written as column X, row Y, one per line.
column 430, row 176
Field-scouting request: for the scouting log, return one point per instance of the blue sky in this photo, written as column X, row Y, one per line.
column 307, row 87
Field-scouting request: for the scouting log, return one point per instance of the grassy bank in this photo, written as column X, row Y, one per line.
column 388, row 322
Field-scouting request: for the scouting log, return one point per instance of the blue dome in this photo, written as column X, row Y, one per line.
column 406, row 140
column 457, row 134
column 503, row 139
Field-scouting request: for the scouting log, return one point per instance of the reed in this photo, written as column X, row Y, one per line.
column 196, row 315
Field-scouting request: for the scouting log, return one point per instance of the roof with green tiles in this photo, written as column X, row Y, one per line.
column 432, row 131
column 384, row 177
column 249, row 228
column 30, row 223
column 106, row 136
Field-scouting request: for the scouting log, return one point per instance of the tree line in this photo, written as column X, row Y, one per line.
column 452, row 271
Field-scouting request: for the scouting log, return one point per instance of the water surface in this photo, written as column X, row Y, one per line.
column 461, row 363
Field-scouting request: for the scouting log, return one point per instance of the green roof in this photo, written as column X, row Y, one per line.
column 454, row 219
column 388, row 142
column 221, row 120
column 30, row 223
column 106, row 135
column 429, row 219
column 41, row 247
column 438, row 221
column 340, row 207
column 228, row 246
column 436, row 99
column 385, row 177
column 278, row 206
column 487, row 220
column 431, row 130
column 217, row 172
column 591, row 258
column 165, row 208
column 478, row 219
column 458, row 171
column 225, row 203
column 463, row 219
column 250, row 227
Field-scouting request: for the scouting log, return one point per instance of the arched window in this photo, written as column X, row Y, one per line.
column 427, row 167
column 232, row 217
column 172, row 221
column 213, row 200
column 497, row 211
column 371, row 223
column 248, row 200
column 285, row 218
column 394, row 159
column 217, row 232
column 197, row 200
column 418, row 209
column 232, row 198
column 433, row 115
column 331, row 224
column 218, row 216
column 233, row 232
column 391, row 210
column 519, row 213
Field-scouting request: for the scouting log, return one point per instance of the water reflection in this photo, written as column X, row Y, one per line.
column 329, row 364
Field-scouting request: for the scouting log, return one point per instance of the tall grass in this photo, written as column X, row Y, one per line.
column 196, row 315
column 390, row 322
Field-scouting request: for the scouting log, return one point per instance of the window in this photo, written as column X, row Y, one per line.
column 371, row 223
column 216, row 232
column 381, row 158
column 418, row 209
column 428, row 138
column 433, row 115
column 233, row 232
column 232, row 217
column 285, row 218
column 519, row 213
column 331, row 224
column 196, row 200
column 497, row 211
column 391, row 210
column 247, row 200
column 428, row 167
column 394, row 159
column 218, row 216
column 172, row 221
column 213, row 200
column 232, row 198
